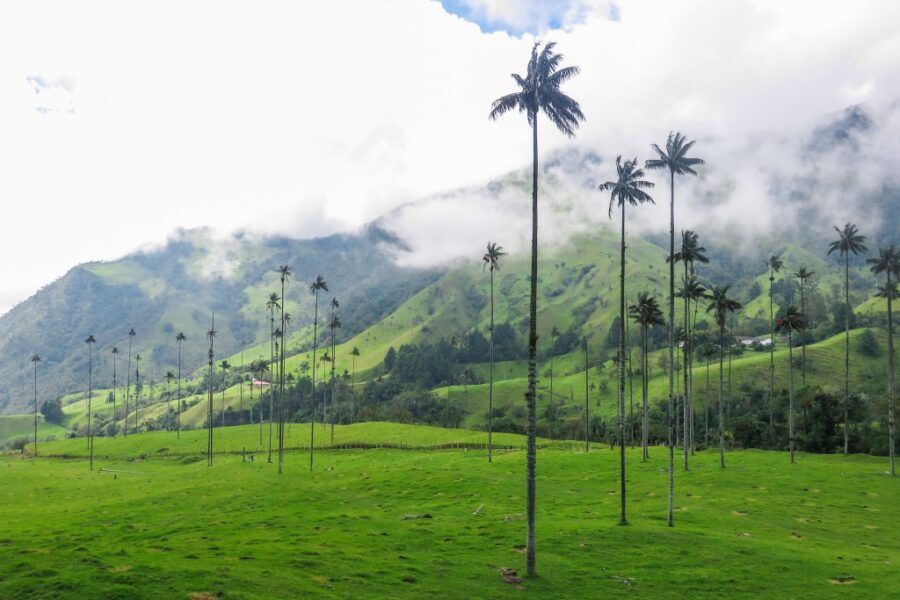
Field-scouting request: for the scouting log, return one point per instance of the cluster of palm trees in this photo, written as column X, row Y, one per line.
column 538, row 91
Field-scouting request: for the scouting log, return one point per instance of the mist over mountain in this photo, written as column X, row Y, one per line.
column 752, row 199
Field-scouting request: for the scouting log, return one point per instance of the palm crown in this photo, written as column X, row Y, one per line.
column 180, row 337
column 629, row 187
column 791, row 320
column 803, row 274
column 491, row 258
column 274, row 302
column 887, row 261
column 849, row 240
column 674, row 158
column 539, row 91
column 775, row 263
column 691, row 288
column 691, row 250
column 646, row 310
column 720, row 304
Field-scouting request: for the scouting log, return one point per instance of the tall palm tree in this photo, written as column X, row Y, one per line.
column 334, row 323
column 169, row 377
column 115, row 353
column 319, row 285
column 888, row 263
column 720, row 305
column 774, row 264
column 35, row 359
column 554, row 333
column 491, row 260
column 538, row 91
column 284, row 272
column 691, row 252
column 691, row 291
column 211, row 334
column 90, row 341
column 646, row 313
column 355, row 354
column 628, row 188
column 849, row 240
column 179, row 337
column 137, row 391
column 790, row 321
column 803, row 275
column 587, row 397
column 272, row 305
column 241, row 388
column 131, row 334
column 224, row 365
column 676, row 160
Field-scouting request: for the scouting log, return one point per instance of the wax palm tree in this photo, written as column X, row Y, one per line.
column 284, row 272
column 131, row 334
column 272, row 304
column 115, row 354
column 790, row 321
column 355, row 354
column 491, row 260
column 554, row 333
column 225, row 366
column 628, row 188
column 319, row 285
column 35, row 359
column 691, row 252
column 646, row 313
column 137, row 391
column 538, row 91
column 334, row 323
column 676, row 160
column 211, row 335
column 262, row 367
column 888, row 263
column 90, row 341
column 774, row 264
column 803, row 275
column 169, row 377
column 179, row 338
column 691, row 291
column 587, row 397
column 849, row 240
column 720, row 305
column 324, row 359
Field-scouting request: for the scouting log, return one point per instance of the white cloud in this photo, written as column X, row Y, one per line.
column 305, row 118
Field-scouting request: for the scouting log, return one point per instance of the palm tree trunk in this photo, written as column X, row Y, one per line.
column 721, row 403
column 891, row 425
column 281, row 383
column 846, row 351
column 178, row 401
column 90, row 393
column 35, row 410
column 622, row 518
column 531, row 424
column 671, row 516
column 127, row 386
column 272, row 382
column 791, row 394
column 491, row 378
column 114, row 390
column 645, row 424
column 771, row 356
column 553, row 421
column 312, row 397
column 706, row 401
column 685, row 353
column 587, row 405
column 803, row 335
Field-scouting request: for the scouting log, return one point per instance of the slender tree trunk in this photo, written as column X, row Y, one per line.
column 771, row 355
column 312, row 397
column 178, row 407
column 35, row 410
column 127, row 385
column 209, row 407
column 791, row 393
column 90, row 410
column 333, row 362
column 803, row 335
column 685, row 353
column 531, row 424
column 553, row 422
column 587, row 405
column 706, row 400
column 114, row 390
column 721, row 403
column 846, row 352
column 281, row 383
column 645, row 417
column 622, row 518
column 272, row 378
column 891, row 424
column 491, row 378
column 671, row 411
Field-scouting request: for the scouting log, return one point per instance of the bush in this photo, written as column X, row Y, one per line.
column 867, row 344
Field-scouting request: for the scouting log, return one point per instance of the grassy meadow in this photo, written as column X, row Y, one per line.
column 153, row 521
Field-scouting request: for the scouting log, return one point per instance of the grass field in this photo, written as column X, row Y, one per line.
column 170, row 527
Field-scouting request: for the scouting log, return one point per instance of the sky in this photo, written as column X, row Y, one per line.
column 122, row 121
